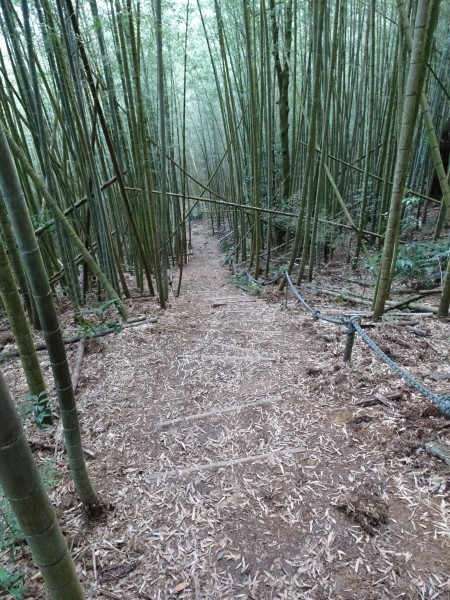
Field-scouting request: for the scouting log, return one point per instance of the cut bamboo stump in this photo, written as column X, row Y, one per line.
column 78, row 362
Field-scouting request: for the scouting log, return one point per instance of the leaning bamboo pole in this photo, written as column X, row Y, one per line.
column 22, row 485
column 34, row 266
column 414, row 86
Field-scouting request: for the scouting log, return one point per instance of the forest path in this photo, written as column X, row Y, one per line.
column 229, row 434
column 229, row 441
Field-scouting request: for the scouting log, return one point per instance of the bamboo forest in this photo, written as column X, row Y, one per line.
column 224, row 299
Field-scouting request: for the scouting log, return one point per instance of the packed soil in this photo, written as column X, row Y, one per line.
column 238, row 456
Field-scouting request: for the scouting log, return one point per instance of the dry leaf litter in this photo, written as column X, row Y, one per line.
column 239, row 457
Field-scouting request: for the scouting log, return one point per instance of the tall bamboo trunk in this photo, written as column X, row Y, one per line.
column 32, row 260
column 22, row 485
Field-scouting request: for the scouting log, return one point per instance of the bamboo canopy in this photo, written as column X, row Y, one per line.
column 306, row 131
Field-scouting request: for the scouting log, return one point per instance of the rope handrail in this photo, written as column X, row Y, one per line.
column 263, row 283
column 443, row 402
column 353, row 325
column 316, row 314
column 250, row 276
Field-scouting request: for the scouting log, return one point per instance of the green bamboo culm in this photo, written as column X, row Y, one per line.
column 14, row 259
column 413, row 92
column 22, row 485
column 29, row 250
column 65, row 224
column 14, row 309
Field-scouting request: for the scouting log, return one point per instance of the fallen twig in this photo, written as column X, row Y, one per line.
column 109, row 594
column 76, row 338
column 407, row 301
column 78, row 363
column 421, row 308
column 222, row 463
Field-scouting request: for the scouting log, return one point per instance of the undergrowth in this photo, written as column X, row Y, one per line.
column 12, row 584
column 243, row 282
column 92, row 320
column 36, row 408
column 419, row 265
column 422, row 264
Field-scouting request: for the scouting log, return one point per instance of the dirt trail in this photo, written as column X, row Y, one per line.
column 229, row 441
